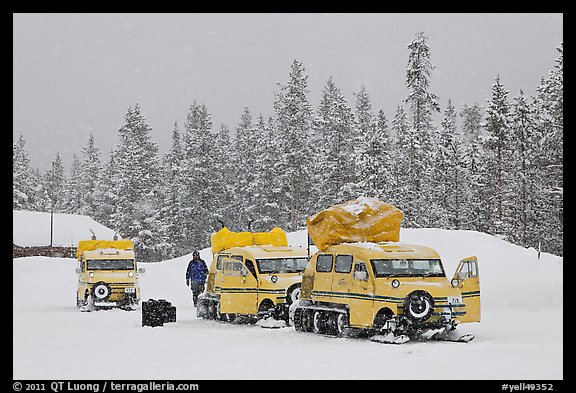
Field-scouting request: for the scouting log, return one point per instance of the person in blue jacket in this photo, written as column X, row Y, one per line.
column 196, row 275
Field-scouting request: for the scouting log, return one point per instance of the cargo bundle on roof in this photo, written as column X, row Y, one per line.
column 363, row 219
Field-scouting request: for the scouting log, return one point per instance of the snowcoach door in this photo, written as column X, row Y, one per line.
column 322, row 289
column 468, row 278
column 361, row 298
column 238, row 293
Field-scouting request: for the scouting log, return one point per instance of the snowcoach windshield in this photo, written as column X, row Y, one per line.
column 282, row 265
column 110, row 264
column 407, row 267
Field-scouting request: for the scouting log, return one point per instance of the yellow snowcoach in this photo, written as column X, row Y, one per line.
column 107, row 275
column 252, row 277
column 363, row 280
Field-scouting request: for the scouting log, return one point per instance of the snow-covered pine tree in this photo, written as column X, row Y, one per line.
column 171, row 210
column 197, row 184
column 471, row 122
column 449, row 174
column 54, row 186
column 476, row 210
column 72, row 202
column 224, row 178
column 403, row 157
column 335, row 136
column 90, row 184
column 107, row 201
column 270, row 170
column 549, row 107
column 422, row 105
column 364, row 129
column 134, row 186
column 23, row 179
column 497, row 146
column 247, row 177
column 374, row 163
column 293, row 120
column 526, row 175
column 263, row 211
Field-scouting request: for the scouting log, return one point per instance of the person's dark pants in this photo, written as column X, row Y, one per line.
column 197, row 289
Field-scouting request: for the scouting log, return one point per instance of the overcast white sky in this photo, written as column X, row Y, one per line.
column 78, row 73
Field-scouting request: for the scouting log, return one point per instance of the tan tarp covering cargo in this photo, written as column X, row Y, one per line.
column 225, row 238
column 90, row 245
column 363, row 219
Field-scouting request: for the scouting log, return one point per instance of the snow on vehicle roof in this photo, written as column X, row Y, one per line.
column 269, row 251
column 387, row 250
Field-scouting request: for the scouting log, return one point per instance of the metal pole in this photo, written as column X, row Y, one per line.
column 52, row 205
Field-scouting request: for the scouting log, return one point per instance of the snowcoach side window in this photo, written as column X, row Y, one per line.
column 360, row 270
column 470, row 268
column 343, row 264
column 219, row 260
column 324, row 263
column 251, row 268
column 230, row 268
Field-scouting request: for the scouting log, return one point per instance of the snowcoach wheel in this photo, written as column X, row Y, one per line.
column 308, row 320
column 213, row 310
column 293, row 294
column 266, row 309
column 101, row 291
column 418, row 306
column 201, row 309
column 298, row 320
column 340, row 323
column 318, row 322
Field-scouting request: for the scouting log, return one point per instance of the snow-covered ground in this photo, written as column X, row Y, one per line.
column 520, row 336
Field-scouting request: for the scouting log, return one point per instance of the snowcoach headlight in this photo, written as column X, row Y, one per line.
column 130, row 274
column 395, row 283
column 91, row 274
column 454, row 282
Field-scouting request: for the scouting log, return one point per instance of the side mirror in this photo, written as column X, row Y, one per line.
column 360, row 275
column 244, row 271
column 78, row 270
column 141, row 270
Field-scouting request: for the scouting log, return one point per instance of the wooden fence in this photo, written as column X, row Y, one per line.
column 47, row 251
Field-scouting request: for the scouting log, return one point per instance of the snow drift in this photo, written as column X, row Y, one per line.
column 520, row 336
column 33, row 229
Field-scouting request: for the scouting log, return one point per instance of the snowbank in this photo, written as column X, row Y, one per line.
column 33, row 229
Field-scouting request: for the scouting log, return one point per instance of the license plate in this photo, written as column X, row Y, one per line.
column 130, row 290
column 454, row 300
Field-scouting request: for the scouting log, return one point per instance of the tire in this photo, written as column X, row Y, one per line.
column 418, row 306
column 266, row 309
column 101, row 291
column 341, row 323
column 230, row 318
column 213, row 307
column 298, row 320
column 293, row 294
column 318, row 322
column 202, row 308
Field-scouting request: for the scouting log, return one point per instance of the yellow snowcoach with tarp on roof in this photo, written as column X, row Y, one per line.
column 253, row 276
column 363, row 281
column 107, row 275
